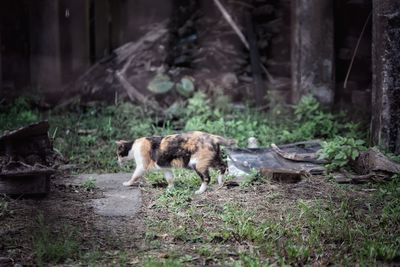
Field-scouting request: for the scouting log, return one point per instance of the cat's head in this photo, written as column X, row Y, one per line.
column 123, row 151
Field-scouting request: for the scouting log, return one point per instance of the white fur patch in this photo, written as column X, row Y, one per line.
column 135, row 153
column 203, row 188
column 220, row 179
column 192, row 162
column 170, row 178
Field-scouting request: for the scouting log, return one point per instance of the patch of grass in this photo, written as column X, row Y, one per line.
column 248, row 261
column 156, row 262
column 89, row 184
column 240, row 223
column 4, row 209
column 52, row 248
column 17, row 114
column 87, row 135
column 92, row 258
column 175, row 199
column 255, row 177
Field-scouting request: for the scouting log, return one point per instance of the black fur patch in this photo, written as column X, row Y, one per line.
column 123, row 150
column 155, row 145
column 174, row 150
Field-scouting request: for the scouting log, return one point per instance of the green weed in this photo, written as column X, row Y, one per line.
column 17, row 114
column 89, row 184
column 4, row 209
column 175, row 199
column 340, row 151
column 246, row 260
column 253, row 178
column 156, row 262
column 52, row 248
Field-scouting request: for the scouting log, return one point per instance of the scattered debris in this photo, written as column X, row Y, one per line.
column 242, row 162
column 289, row 163
column 370, row 166
column 199, row 43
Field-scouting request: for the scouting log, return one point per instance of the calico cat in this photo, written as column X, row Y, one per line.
column 194, row 150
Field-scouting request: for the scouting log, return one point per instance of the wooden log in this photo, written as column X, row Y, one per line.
column 375, row 161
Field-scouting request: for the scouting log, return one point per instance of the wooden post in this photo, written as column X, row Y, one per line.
column 385, row 123
column 259, row 85
column 101, row 22
column 74, row 26
column 45, row 46
column 312, row 53
column 1, row 70
column 116, row 26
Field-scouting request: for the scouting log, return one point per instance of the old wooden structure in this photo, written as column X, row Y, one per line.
column 308, row 46
column 26, row 155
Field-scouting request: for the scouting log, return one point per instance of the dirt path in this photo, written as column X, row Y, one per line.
column 102, row 221
column 117, row 200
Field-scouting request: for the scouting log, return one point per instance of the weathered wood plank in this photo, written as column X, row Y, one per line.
column 25, row 185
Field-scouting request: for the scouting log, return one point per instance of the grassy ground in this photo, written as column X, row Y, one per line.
column 259, row 223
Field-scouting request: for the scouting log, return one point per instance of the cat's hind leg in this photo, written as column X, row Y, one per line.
column 205, row 180
column 221, row 166
column 139, row 171
column 170, row 178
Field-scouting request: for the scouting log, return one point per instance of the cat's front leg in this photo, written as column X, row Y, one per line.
column 139, row 171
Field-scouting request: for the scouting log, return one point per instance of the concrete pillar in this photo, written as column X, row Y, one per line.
column 312, row 52
column 385, row 123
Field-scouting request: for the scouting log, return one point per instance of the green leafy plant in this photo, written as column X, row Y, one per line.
column 89, row 184
column 4, row 209
column 160, row 84
column 17, row 114
column 185, row 87
column 340, row 151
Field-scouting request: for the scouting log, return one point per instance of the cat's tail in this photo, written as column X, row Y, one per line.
column 224, row 141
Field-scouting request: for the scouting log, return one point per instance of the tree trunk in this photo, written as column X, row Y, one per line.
column 385, row 123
